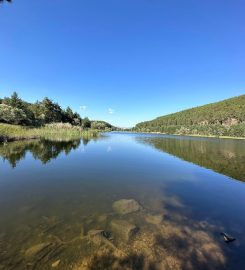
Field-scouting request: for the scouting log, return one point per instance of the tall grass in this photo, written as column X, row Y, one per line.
column 55, row 131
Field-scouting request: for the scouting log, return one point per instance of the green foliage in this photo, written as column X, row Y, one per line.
column 58, row 131
column 71, row 117
column 14, row 110
column 51, row 111
column 15, row 101
column 69, row 113
column 12, row 115
column 86, row 123
column 101, row 125
column 224, row 118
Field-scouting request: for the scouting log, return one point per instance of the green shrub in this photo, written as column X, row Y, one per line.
column 12, row 115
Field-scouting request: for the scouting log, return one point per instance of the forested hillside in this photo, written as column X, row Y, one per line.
column 224, row 118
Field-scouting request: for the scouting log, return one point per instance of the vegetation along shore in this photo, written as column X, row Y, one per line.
column 220, row 119
column 51, row 131
column 44, row 119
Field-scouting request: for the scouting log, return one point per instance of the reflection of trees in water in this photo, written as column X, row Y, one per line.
column 223, row 156
column 47, row 150
column 43, row 150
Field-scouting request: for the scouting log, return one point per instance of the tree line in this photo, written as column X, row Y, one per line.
column 224, row 118
column 14, row 110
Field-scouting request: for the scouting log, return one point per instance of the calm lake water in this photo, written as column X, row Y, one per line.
column 123, row 201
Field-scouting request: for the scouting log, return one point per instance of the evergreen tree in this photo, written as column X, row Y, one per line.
column 15, row 101
column 52, row 112
column 86, row 123
column 69, row 114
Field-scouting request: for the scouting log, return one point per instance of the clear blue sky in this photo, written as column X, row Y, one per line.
column 124, row 61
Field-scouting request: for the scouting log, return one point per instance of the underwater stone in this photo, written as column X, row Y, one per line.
column 125, row 206
column 99, row 236
column 34, row 250
column 124, row 229
column 55, row 264
column 154, row 219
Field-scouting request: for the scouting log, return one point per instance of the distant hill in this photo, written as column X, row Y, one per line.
column 102, row 125
column 223, row 118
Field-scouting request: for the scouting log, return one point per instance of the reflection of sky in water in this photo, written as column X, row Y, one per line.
column 75, row 184
column 109, row 149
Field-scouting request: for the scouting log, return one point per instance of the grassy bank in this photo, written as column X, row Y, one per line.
column 191, row 135
column 216, row 130
column 188, row 135
column 52, row 131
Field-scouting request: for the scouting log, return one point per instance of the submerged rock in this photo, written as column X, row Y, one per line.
column 42, row 254
column 154, row 219
column 55, row 264
column 99, row 236
column 98, row 232
column 124, row 229
column 102, row 218
column 125, row 206
column 82, row 232
column 228, row 238
column 34, row 250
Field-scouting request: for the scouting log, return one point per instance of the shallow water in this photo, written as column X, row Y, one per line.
column 54, row 195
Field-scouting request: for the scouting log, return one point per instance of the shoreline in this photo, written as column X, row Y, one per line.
column 190, row 135
column 6, row 139
column 11, row 133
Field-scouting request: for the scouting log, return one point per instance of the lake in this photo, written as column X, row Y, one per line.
column 122, row 201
